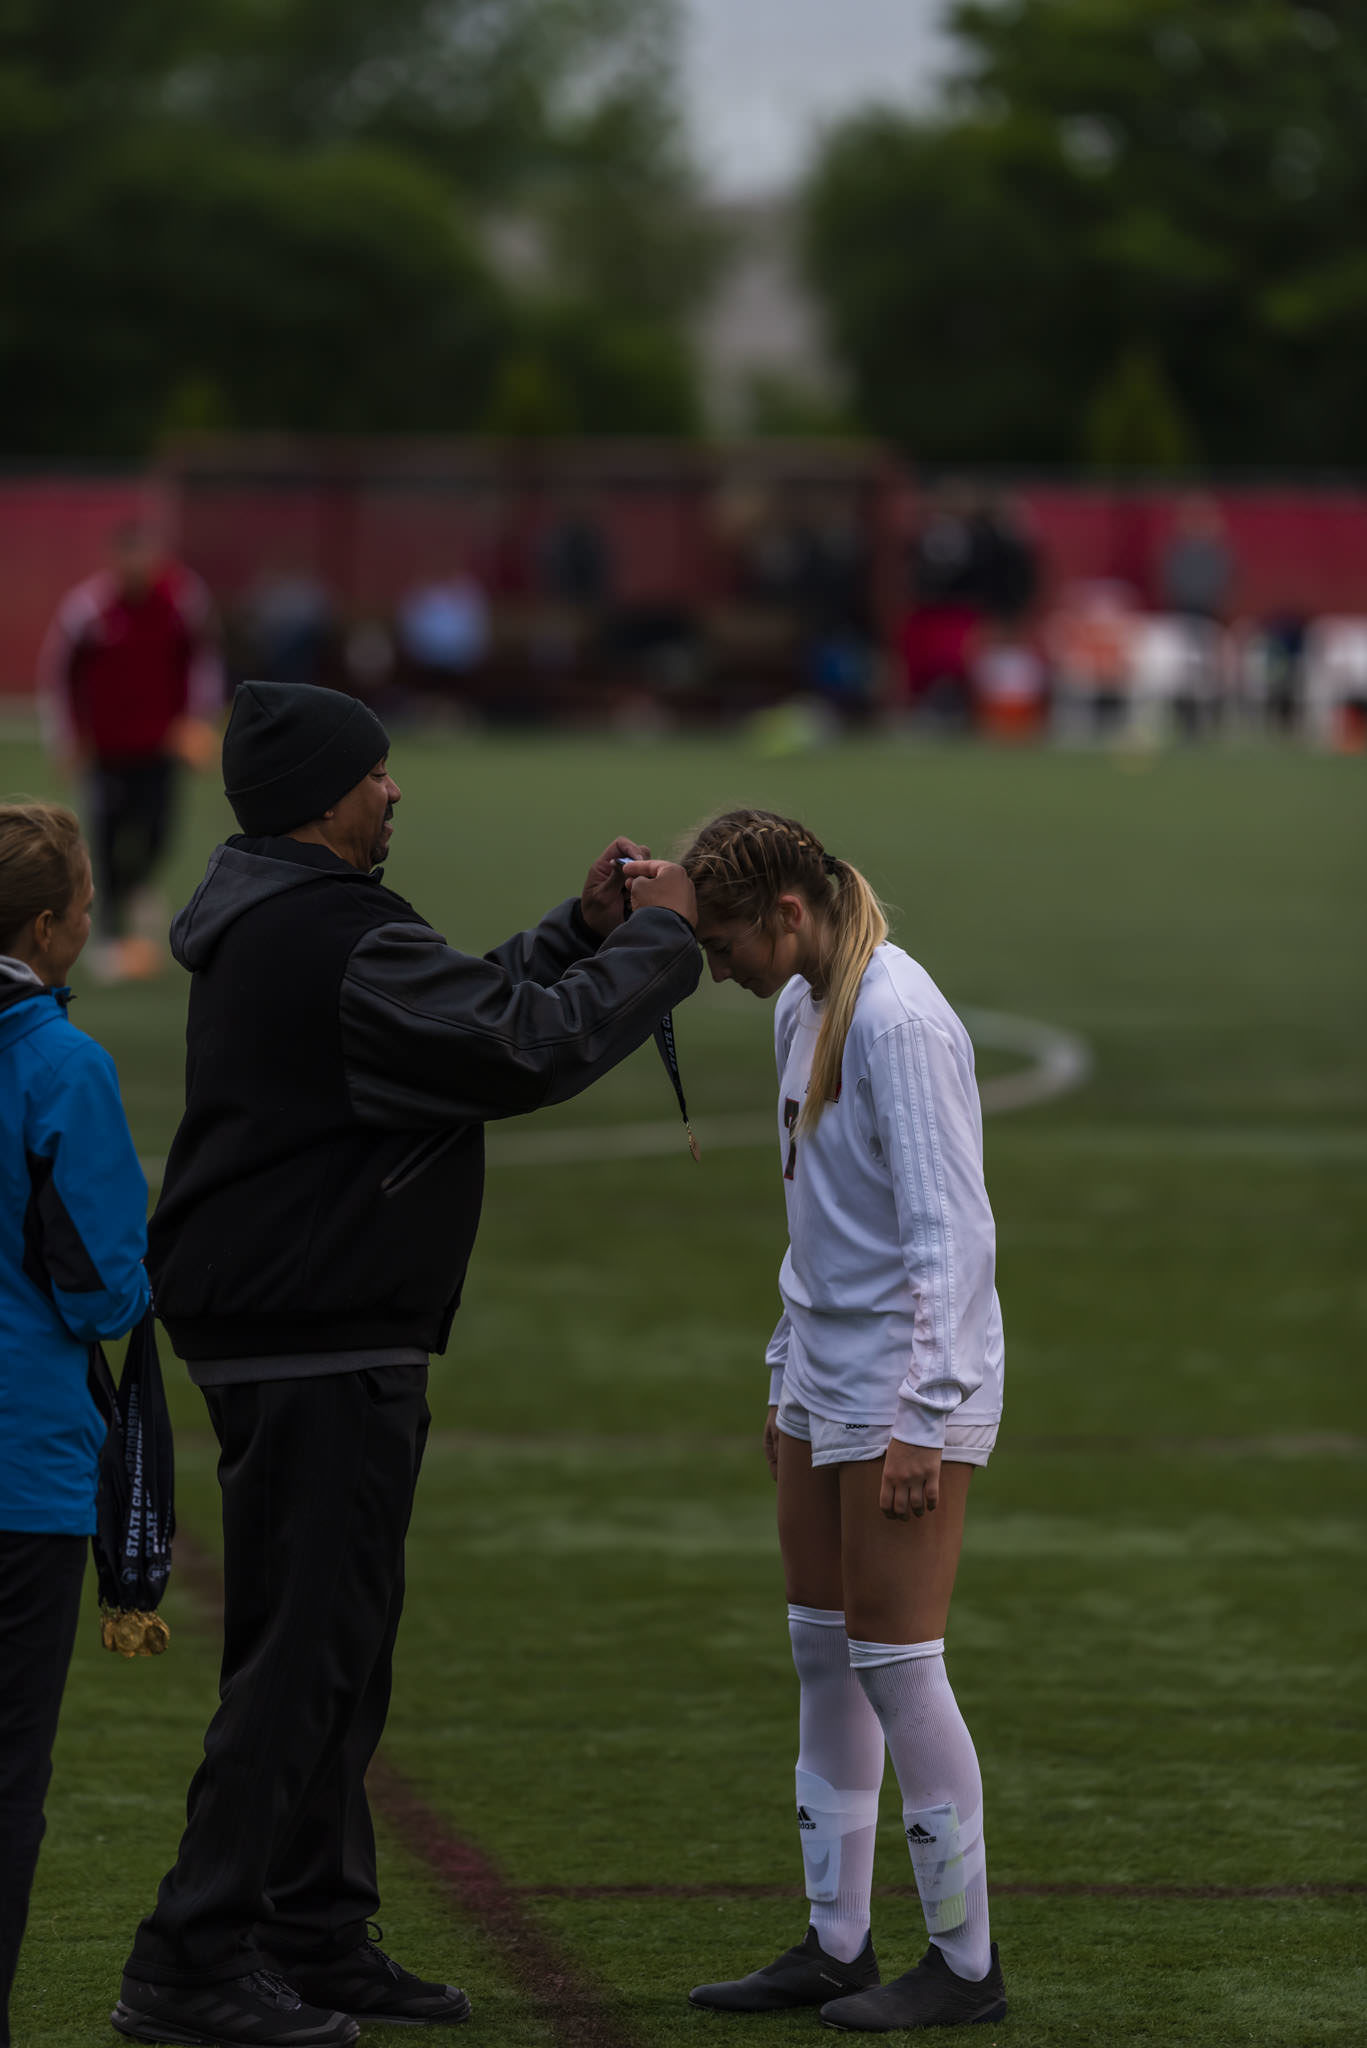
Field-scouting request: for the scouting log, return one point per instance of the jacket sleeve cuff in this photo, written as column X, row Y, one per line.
column 582, row 929
column 917, row 1424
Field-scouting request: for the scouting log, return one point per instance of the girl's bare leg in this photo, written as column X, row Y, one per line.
column 898, row 1576
column 809, row 1526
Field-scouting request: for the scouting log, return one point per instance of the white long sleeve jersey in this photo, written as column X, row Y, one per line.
column 890, row 1312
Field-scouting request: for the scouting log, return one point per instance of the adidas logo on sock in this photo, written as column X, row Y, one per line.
column 916, row 1833
column 804, row 1819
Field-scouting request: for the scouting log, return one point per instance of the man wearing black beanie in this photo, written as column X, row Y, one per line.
column 317, row 1214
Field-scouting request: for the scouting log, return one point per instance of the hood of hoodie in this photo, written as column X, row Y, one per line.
column 242, row 873
column 20, row 1013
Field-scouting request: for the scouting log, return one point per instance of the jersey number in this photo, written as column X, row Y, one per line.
column 790, row 1116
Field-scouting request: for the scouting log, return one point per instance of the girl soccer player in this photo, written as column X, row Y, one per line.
column 73, row 1230
column 885, row 1392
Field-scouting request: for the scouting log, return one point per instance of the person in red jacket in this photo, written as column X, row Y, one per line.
column 128, row 677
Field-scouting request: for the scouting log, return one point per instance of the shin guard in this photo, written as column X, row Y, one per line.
column 824, row 1817
column 942, row 1857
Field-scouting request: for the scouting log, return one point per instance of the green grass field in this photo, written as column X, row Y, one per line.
column 1157, row 1636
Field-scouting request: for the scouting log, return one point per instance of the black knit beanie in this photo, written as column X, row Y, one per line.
column 291, row 750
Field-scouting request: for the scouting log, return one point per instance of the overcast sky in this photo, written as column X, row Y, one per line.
column 762, row 75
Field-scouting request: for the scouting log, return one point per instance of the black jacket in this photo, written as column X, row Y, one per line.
column 323, row 1190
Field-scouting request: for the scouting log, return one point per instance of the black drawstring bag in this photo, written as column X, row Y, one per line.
column 135, row 1515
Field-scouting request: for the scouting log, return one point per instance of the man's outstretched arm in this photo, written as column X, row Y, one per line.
column 430, row 1035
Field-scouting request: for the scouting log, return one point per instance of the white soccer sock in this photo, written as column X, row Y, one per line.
column 942, row 1793
column 839, row 1771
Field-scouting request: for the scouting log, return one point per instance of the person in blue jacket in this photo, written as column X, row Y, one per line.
column 73, row 1230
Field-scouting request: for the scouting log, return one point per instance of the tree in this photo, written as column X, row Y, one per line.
column 337, row 292
column 574, row 373
column 1133, row 422
column 273, row 214
column 1173, row 183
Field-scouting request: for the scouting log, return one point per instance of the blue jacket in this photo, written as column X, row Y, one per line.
column 73, row 1209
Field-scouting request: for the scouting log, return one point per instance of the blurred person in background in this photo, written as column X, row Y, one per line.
column 1007, row 568
column 291, row 625
column 573, row 583
column 1010, row 684
column 832, row 599
column 885, row 1391
column 775, row 553
column 73, row 1210
column 1088, row 643
column 754, row 642
column 1196, row 580
column 1006, row 667
column 318, row 1211
column 369, row 662
column 946, row 602
column 130, row 682
column 1196, row 572
column 1280, row 660
column 574, row 564
column 443, row 632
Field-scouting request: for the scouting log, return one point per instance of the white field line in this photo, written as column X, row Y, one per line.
column 1057, row 1062
column 1323, row 1443
column 590, row 1445
column 1284, row 1145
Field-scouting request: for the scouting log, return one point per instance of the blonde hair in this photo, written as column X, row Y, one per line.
column 741, row 863
column 42, row 859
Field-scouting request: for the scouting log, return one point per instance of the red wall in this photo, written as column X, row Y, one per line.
column 1294, row 550
column 1301, row 549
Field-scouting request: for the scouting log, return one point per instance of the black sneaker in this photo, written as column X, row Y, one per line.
column 371, row 1986
column 261, row 2009
column 931, row 1995
column 804, row 1975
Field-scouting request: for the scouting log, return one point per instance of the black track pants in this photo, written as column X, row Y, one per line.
column 278, row 1854
column 131, row 818
column 40, row 1596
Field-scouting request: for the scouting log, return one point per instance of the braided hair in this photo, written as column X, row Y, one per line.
column 741, row 863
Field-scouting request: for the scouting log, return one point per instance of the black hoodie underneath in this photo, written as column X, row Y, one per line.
column 323, row 1190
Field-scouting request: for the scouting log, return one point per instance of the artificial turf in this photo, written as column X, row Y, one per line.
column 1157, row 1634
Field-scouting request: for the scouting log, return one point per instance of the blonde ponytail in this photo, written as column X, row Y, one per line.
column 859, row 927
column 741, row 863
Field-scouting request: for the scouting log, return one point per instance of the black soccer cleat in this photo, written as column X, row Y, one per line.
column 370, row 1985
column 804, row 1975
column 257, row 2011
column 931, row 1995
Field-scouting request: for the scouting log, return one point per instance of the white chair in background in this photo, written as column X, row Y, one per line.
column 1177, row 671
column 1335, row 676
column 1087, row 643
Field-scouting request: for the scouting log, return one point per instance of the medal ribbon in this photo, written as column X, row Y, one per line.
column 664, row 1040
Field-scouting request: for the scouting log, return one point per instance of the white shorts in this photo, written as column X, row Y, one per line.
column 848, row 1443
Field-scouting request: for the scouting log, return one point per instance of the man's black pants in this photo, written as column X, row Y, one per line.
column 131, row 817
column 40, row 1596
column 278, row 1856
